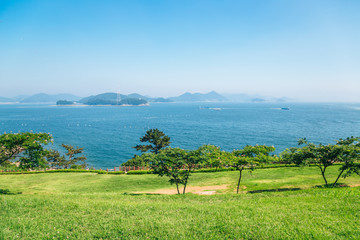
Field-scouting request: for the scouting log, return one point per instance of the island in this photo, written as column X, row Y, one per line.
column 64, row 102
column 123, row 102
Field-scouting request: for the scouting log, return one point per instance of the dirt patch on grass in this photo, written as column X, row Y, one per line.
column 201, row 190
column 355, row 185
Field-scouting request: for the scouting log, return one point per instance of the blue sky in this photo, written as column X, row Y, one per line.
column 302, row 49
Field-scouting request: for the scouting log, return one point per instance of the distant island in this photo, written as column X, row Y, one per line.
column 123, row 102
column 64, row 102
column 136, row 99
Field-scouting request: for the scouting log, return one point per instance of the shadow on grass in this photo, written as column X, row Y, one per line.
column 275, row 190
column 338, row 185
column 140, row 194
column 8, row 192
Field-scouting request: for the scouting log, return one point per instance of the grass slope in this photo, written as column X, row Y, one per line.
column 92, row 206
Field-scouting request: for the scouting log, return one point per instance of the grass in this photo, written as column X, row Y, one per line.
column 101, row 206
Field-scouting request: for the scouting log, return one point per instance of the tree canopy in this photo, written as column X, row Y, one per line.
column 176, row 164
column 249, row 157
column 157, row 140
column 345, row 151
column 27, row 147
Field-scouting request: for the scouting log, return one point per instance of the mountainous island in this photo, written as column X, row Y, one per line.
column 114, row 99
column 136, row 99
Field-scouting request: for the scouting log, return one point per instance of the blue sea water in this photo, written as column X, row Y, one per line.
column 108, row 133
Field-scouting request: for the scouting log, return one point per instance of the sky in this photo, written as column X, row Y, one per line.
column 303, row 49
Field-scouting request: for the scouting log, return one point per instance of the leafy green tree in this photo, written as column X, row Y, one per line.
column 140, row 161
column 72, row 158
column 157, row 140
column 212, row 155
column 346, row 151
column 28, row 147
column 350, row 156
column 249, row 157
column 55, row 159
column 176, row 164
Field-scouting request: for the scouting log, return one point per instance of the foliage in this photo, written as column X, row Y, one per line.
column 157, row 139
column 345, row 151
column 139, row 172
column 26, row 146
column 214, row 156
column 176, row 164
column 249, row 157
column 139, row 161
column 55, row 159
column 73, row 159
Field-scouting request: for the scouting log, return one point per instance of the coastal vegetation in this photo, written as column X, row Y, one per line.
column 281, row 199
column 345, row 151
column 29, row 150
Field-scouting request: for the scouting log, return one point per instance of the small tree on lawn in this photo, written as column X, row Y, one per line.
column 249, row 157
column 157, row 140
column 350, row 157
column 176, row 164
column 346, row 151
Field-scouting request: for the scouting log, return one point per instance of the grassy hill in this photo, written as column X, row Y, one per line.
column 281, row 203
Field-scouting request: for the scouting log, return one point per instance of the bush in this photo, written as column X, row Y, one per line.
column 139, row 172
column 116, row 173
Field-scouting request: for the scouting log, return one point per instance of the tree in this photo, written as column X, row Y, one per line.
column 249, row 157
column 177, row 164
column 212, row 155
column 157, row 139
column 345, row 151
column 350, row 156
column 73, row 159
column 140, row 161
column 55, row 159
column 28, row 147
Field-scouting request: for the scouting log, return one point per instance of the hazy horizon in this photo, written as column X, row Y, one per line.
column 306, row 50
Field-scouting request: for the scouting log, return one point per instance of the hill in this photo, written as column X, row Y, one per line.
column 199, row 97
column 114, row 99
column 46, row 98
column 255, row 98
column 7, row 100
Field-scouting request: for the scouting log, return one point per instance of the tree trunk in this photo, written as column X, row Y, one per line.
column 339, row 176
column 187, row 177
column 177, row 188
column 237, row 190
column 323, row 174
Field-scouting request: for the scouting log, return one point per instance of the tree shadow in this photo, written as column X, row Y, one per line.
column 8, row 192
column 337, row 185
column 275, row 190
column 140, row 194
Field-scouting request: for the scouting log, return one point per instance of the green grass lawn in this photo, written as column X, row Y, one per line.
column 100, row 206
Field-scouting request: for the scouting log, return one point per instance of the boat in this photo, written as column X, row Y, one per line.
column 285, row 108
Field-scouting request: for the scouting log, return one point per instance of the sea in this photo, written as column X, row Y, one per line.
column 109, row 133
